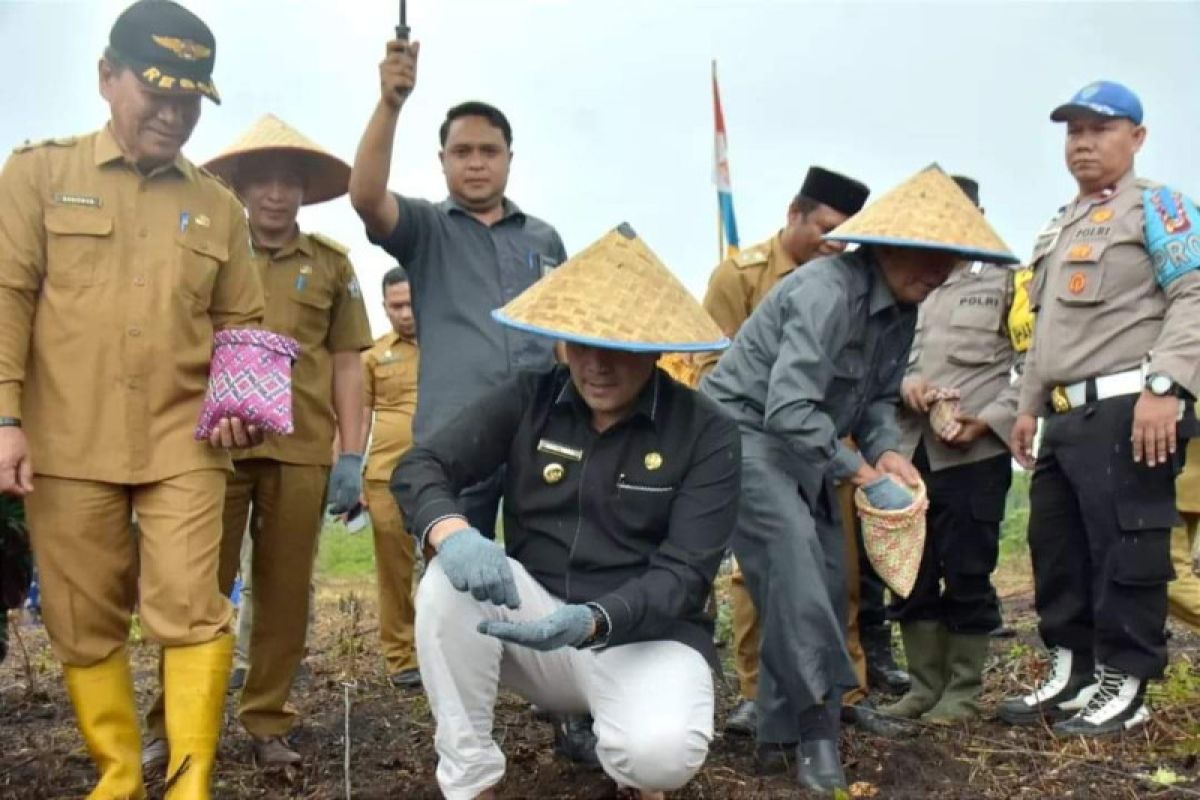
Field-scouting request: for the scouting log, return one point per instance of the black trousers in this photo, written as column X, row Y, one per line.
column 962, row 544
column 872, row 611
column 1099, row 534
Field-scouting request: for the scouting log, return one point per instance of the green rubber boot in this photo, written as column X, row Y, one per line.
column 965, row 656
column 925, row 649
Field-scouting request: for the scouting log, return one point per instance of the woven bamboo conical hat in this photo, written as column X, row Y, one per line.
column 615, row 294
column 325, row 175
column 929, row 211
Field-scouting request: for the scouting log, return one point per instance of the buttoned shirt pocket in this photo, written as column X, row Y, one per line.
column 78, row 242
column 200, row 255
column 644, row 508
column 310, row 309
column 974, row 329
column 1080, row 277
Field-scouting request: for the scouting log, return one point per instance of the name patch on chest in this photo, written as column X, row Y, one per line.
column 561, row 450
column 68, row 199
column 981, row 301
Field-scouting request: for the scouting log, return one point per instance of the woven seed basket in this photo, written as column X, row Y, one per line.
column 894, row 540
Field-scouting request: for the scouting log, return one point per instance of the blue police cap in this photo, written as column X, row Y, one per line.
column 1102, row 98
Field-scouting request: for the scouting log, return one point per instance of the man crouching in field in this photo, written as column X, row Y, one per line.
column 620, row 496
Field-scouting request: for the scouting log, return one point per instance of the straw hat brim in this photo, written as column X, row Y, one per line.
column 325, row 176
column 977, row 254
column 612, row 344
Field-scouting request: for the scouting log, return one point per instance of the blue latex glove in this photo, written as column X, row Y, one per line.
column 345, row 483
column 887, row 494
column 569, row 626
column 479, row 566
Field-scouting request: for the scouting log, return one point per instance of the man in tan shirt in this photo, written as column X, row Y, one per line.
column 119, row 259
column 736, row 287
column 390, row 370
column 313, row 296
column 1113, row 369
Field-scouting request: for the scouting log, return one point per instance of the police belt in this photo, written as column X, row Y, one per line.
column 1075, row 395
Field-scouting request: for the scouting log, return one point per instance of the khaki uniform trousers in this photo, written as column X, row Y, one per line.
column 746, row 632
column 395, row 556
column 1183, row 593
column 284, row 505
column 93, row 570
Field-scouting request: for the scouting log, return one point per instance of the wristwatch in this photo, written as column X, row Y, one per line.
column 1160, row 384
column 10, row 422
column 602, row 624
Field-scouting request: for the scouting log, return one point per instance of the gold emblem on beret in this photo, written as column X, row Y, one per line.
column 553, row 473
column 183, row 48
column 653, row 461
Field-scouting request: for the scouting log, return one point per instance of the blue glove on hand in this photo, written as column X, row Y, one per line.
column 886, row 494
column 345, row 483
column 569, row 626
column 474, row 564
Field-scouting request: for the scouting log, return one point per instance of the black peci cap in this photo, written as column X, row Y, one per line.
column 169, row 48
column 834, row 190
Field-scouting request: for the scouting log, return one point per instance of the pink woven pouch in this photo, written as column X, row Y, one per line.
column 250, row 378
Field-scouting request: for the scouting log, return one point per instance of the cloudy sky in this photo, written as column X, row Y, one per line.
column 611, row 106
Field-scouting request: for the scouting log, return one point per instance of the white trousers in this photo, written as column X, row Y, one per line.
column 652, row 701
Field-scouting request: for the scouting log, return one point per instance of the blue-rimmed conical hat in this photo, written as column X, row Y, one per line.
column 615, row 294
column 928, row 211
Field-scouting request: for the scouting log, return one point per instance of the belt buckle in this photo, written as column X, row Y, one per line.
column 1058, row 399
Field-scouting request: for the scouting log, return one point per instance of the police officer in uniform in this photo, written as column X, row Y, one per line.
column 119, row 259
column 819, row 360
column 960, row 367
column 390, row 370
column 313, row 296
column 738, row 284
column 1113, row 369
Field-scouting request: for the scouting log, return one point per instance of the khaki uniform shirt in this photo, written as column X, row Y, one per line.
column 312, row 296
column 390, row 387
column 1187, row 485
column 738, row 285
column 1100, row 309
column 111, row 286
column 963, row 342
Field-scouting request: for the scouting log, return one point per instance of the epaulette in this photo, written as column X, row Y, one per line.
column 206, row 172
column 332, row 244
column 1146, row 183
column 751, row 258
column 65, row 141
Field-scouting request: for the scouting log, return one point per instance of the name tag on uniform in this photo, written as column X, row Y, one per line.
column 560, row 450
column 67, row 199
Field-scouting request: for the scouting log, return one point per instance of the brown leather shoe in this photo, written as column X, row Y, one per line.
column 273, row 751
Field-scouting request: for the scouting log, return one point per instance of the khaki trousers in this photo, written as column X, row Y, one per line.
column 284, row 504
column 395, row 555
column 746, row 632
column 1183, row 593
column 93, row 570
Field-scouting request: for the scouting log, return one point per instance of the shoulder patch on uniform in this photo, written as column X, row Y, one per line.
column 1172, row 233
column 332, row 244
column 752, row 257
column 64, row 141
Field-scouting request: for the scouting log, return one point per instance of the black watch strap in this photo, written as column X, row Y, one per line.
column 10, row 422
column 603, row 625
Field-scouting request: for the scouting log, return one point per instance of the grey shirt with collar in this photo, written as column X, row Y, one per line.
column 821, row 358
column 460, row 270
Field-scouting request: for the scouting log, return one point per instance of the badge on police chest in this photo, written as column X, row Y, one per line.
column 553, row 472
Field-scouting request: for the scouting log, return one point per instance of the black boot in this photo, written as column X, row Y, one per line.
column 774, row 758
column 883, row 674
column 1117, row 706
column 868, row 718
column 743, row 720
column 574, row 740
column 819, row 767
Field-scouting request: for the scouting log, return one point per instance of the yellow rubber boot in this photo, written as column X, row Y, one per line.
column 194, row 681
column 107, row 714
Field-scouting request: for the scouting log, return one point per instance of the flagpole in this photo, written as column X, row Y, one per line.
column 720, row 215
